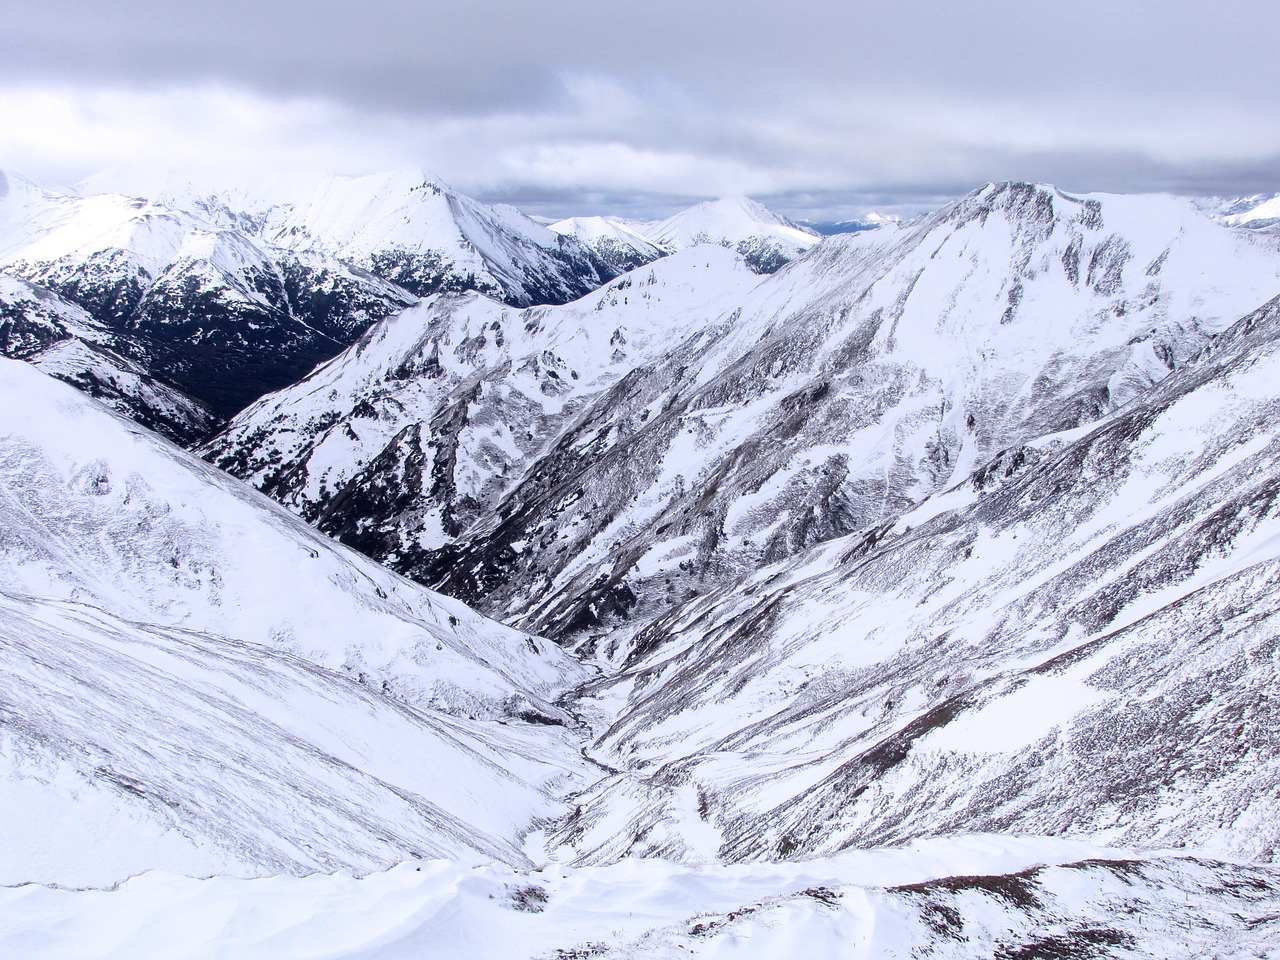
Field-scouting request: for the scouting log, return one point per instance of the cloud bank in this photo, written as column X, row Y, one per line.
column 572, row 107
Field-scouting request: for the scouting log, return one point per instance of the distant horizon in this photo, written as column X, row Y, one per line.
column 824, row 111
column 800, row 208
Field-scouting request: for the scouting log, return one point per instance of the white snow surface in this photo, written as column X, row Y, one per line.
column 952, row 897
column 229, row 690
column 739, row 223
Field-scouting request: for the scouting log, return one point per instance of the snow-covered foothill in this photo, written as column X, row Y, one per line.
column 440, row 407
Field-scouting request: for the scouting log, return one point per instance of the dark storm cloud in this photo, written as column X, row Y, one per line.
column 571, row 98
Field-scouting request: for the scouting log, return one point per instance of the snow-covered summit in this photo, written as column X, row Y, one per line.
column 617, row 242
column 416, row 231
column 765, row 238
column 1258, row 212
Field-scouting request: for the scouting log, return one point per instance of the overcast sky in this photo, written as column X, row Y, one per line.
column 820, row 108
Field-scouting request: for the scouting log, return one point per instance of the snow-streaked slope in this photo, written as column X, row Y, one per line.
column 228, row 690
column 967, row 897
column 877, row 369
column 870, row 221
column 1079, row 639
column 38, row 326
column 99, row 512
column 421, row 234
column 612, row 239
column 415, row 433
column 220, row 314
column 764, row 238
column 1259, row 212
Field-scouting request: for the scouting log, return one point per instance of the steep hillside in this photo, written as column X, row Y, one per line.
column 415, row 434
column 876, row 370
column 1080, row 638
column 196, row 681
column 38, row 326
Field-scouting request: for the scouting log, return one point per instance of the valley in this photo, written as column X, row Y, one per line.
column 637, row 590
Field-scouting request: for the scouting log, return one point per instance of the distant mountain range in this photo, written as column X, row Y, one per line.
column 911, row 588
column 1258, row 212
column 218, row 298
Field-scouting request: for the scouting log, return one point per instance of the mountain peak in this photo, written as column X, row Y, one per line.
column 765, row 238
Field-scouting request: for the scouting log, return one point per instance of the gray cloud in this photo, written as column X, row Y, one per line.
column 585, row 99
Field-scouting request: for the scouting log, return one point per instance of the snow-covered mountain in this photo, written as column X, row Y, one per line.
column 38, row 326
column 210, row 310
column 1259, row 212
column 878, row 369
column 416, row 232
column 196, row 681
column 766, row 239
column 1078, row 638
column 417, row 432
column 959, row 536
column 613, row 240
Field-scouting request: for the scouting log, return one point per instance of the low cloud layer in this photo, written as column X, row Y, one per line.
column 571, row 107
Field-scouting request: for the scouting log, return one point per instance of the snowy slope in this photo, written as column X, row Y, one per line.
column 612, row 239
column 968, row 897
column 230, row 690
column 219, row 314
column 1079, row 639
column 419, row 233
column 61, row 338
column 415, row 433
column 878, row 369
column 1259, row 212
column 764, row 238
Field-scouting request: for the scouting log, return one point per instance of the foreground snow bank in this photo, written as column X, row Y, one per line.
column 964, row 896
